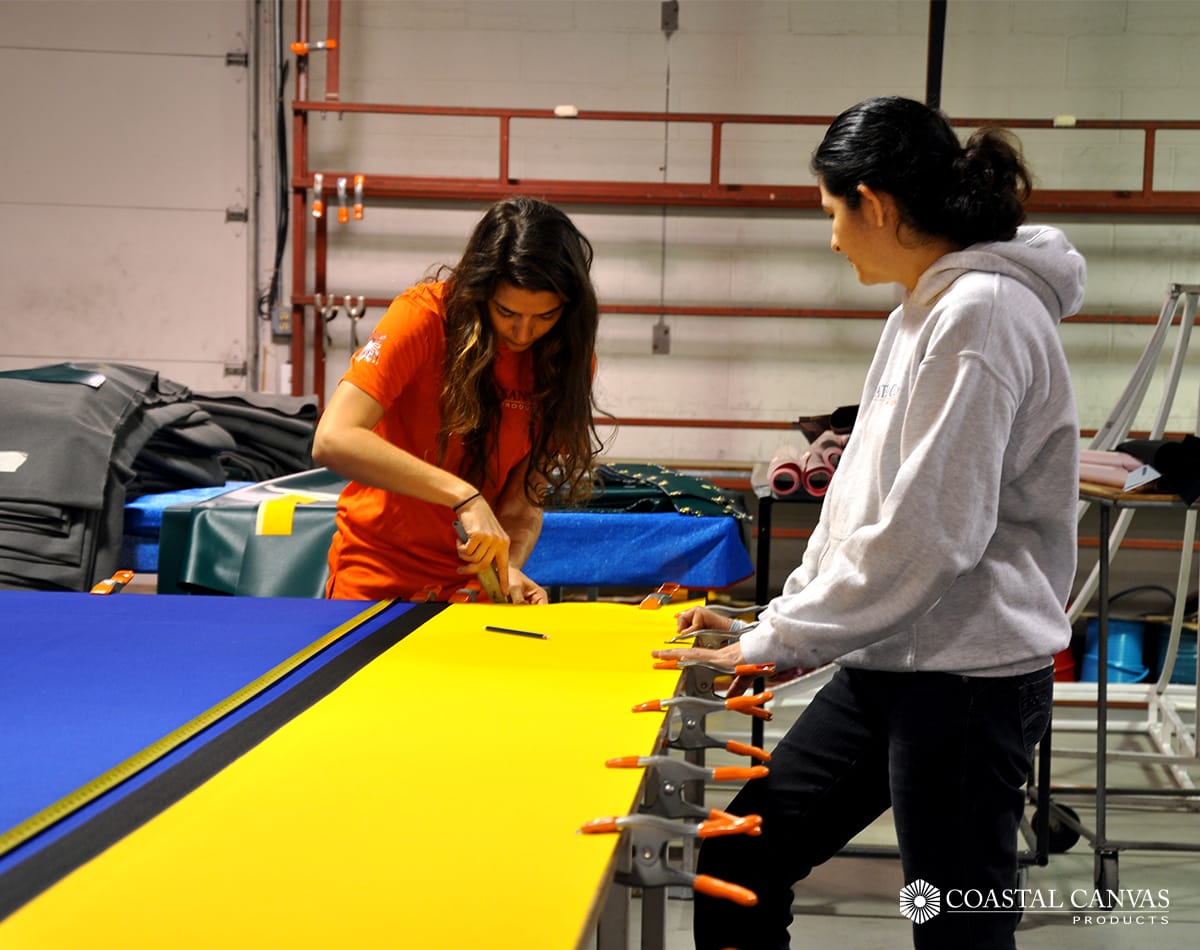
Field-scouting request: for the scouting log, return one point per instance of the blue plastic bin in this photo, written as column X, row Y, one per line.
column 1126, row 641
column 1185, row 660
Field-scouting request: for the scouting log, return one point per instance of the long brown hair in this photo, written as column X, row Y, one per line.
column 533, row 246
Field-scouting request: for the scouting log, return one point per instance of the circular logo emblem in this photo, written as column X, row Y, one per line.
column 920, row 901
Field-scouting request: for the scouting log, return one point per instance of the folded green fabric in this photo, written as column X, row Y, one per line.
column 637, row 487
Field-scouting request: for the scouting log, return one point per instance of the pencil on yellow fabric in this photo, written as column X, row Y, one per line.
column 519, row 633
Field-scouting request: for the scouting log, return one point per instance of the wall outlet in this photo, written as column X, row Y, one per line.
column 281, row 322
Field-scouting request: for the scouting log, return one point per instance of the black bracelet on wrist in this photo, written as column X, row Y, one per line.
column 466, row 500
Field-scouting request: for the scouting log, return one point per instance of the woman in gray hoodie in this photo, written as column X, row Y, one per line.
column 937, row 576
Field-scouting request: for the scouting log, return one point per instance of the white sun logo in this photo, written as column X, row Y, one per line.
column 920, row 901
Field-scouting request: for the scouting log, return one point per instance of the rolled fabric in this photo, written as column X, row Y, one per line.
column 1096, row 474
column 1122, row 460
column 816, row 479
column 783, row 472
column 1178, row 462
column 821, row 461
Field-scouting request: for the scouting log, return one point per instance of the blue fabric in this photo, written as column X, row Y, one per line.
column 617, row 549
column 88, row 681
column 600, row 548
column 143, row 520
column 144, row 515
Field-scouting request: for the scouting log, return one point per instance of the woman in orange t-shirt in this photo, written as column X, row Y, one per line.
column 470, row 402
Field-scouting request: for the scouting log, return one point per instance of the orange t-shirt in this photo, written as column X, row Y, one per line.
column 390, row 545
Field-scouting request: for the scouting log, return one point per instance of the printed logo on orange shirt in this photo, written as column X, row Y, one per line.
column 518, row 400
column 371, row 350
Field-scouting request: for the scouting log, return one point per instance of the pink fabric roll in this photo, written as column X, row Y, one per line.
column 783, row 472
column 816, row 479
column 1106, row 468
column 1121, row 460
column 1102, row 475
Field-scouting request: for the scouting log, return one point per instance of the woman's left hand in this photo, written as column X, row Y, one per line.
column 726, row 658
column 522, row 590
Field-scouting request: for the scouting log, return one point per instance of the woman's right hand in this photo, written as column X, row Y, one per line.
column 701, row 618
column 487, row 541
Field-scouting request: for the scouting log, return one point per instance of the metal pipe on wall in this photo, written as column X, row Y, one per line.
column 935, row 52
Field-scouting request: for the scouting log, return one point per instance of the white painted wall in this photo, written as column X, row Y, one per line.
column 125, row 138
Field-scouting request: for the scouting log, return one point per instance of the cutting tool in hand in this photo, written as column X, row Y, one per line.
column 489, row 577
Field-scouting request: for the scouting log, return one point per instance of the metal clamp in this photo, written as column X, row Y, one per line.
column 359, row 183
column 694, row 709
column 303, row 49
column 355, row 308
column 647, row 842
column 318, row 205
column 667, row 777
column 327, row 309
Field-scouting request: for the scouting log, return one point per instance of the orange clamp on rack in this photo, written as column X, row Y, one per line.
column 114, row 584
column 343, row 198
column 303, row 49
column 359, row 182
column 715, row 887
column 318, row 207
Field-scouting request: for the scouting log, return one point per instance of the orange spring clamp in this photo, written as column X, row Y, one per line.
column 359, row 186
column 318, row 205
column 343, row 199
column 693, row 711
column 114, row 584
column 303, row 49
column 701, row 678
column 660, row 597
column 667, row 778
column 646, row 848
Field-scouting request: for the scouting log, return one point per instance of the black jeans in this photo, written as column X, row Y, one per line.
column 949, row 754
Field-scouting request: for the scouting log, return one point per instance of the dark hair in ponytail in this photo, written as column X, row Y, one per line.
column 968, row 193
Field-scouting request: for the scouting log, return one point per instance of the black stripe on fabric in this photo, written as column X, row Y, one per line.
column 59, row 858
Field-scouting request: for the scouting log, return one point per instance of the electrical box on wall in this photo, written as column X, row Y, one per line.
column 281, row 324
column 661, row 339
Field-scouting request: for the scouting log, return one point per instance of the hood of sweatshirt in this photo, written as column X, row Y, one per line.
column 1039, row 257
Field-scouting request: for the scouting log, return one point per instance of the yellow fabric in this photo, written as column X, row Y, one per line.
column 275, row 516
column 432, row 800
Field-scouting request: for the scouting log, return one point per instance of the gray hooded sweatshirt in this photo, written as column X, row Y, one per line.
column 947, row 539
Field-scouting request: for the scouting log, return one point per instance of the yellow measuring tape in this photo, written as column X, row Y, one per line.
column 152, row 753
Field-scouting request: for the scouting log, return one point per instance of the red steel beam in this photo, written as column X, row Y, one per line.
column 333, row 56
column 703, row 194
column 787, row 313
column 713, row 193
